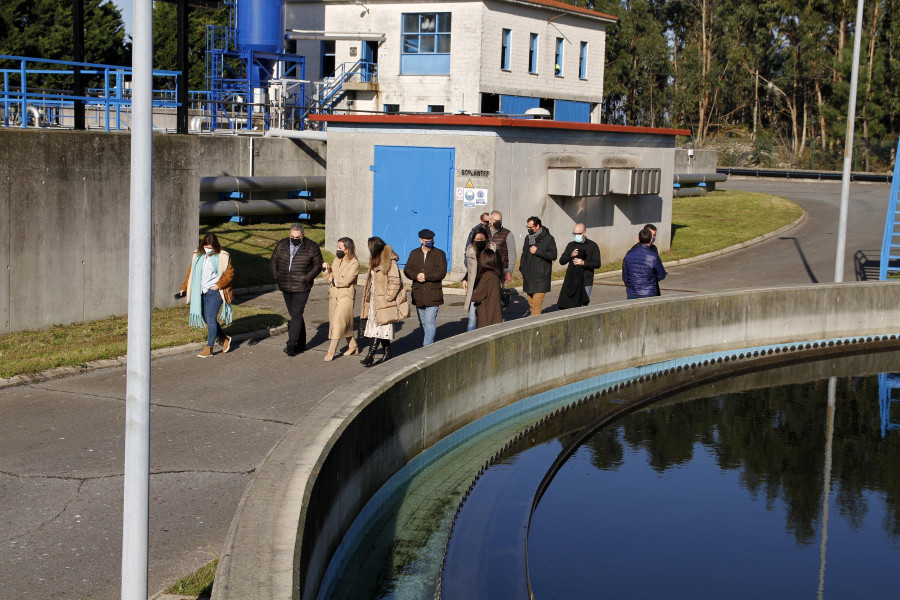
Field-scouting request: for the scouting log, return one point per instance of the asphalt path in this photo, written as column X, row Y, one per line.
column 214, row 420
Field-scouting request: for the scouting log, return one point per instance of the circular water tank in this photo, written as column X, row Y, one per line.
column 260, row 25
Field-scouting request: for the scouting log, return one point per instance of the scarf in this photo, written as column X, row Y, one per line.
column 196, row 316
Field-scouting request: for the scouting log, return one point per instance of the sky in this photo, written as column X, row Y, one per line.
column 125, row 7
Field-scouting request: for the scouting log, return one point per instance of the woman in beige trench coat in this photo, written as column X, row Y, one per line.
column 341, row 276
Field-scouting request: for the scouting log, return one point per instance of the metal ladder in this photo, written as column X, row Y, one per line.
column 890, row 244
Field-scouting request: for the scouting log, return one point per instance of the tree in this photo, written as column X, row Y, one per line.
column 165, row 42
column 43, row 29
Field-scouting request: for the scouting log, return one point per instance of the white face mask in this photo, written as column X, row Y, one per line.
column 578, row 237
column 208, row 250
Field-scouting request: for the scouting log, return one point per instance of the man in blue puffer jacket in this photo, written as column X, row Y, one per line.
column 642, row 270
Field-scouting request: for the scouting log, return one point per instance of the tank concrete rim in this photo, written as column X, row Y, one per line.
column 262, row 548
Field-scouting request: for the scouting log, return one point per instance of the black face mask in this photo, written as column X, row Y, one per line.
column 498, row 225
column 479, row 246
column 339, row 254
column 530, row 230
column 296, row 241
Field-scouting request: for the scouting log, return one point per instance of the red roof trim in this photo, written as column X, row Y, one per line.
column 566, row 8
column 468, row 121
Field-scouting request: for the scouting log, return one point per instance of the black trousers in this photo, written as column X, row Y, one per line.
column 295, row 303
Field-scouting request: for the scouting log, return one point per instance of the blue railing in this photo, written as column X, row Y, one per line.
column 110, row 102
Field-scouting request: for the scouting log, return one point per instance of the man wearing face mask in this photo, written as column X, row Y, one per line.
column 538, row 254
column 583, row 256
column 427, row 267
column 505, row 243
column 484, row 223
column 295, row 263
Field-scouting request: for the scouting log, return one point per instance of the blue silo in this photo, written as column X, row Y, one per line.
column 260, row 28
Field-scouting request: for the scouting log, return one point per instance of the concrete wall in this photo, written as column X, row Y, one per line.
column 313, row 484
column 689, row 160
column 64, row 214
column 517, row 160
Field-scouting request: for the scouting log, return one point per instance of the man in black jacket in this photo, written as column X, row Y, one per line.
column 583, row 256
column 538, row 254
column 427, row 267
column 295, row 263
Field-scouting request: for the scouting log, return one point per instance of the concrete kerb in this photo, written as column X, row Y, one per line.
column 264, row 333
column 314, row 482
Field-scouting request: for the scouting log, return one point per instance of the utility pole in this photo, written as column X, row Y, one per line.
column 848, row 148
column 136, row 509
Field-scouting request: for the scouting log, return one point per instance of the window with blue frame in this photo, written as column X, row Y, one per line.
column 504, row 50
column 426, row 44
column 582, row 61
column 533, row 54
column 558, row 67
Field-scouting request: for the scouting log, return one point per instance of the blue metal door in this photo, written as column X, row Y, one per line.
column 413, row 190
column 568, row 110
column 517, row 105
column 368, row 62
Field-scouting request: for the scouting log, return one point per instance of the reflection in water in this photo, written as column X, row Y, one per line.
column 724, row 495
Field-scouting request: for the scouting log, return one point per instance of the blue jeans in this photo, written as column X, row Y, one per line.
column 588, row 289
column 472, row 320
column 428, row 319
column 212, row 302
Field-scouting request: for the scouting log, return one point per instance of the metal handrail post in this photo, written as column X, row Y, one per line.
column 23, row 111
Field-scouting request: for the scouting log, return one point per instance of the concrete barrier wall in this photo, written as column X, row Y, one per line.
column 64, row 214
column 313, row 484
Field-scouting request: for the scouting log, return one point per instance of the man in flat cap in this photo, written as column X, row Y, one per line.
column 427, row 267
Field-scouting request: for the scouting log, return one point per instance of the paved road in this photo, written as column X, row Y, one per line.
column 62, row 446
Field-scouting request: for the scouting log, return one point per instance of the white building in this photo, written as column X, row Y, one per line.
column 473, row 56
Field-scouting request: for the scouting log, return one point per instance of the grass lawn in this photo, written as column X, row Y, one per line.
column 73, row 345
column 251, row 246
column 699, row 225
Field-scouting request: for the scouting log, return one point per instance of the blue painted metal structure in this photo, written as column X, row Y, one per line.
column 569, row 110
column 112, row 96
column 413, row 190
column 887, row 383
column 517, row 105
column 891, row 240
column 253, row 40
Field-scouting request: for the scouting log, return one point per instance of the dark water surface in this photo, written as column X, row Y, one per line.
column 722, row 497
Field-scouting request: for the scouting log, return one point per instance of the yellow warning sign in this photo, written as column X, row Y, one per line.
column 469, row 184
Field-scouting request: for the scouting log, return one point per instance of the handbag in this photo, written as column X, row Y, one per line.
column 505, row 295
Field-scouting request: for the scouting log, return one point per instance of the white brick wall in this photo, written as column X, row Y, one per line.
column 522, row 22
column 474, row 54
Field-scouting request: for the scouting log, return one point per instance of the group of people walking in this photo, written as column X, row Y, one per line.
column 489, row 260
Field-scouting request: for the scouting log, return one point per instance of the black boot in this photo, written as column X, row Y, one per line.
column 370, row 357
column 387, row 351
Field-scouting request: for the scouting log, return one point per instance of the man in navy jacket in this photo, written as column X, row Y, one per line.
column 642, row 270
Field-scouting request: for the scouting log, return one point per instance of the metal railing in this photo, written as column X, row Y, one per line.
column 108, row 102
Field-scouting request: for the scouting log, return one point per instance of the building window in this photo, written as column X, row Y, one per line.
column 533, row 54
column 390, row 109
column 558, row 67
column 436, row 108
column 582, row 61
column 426, row 44
column 504, row 50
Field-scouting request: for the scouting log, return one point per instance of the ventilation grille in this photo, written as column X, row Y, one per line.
column 578, row 182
